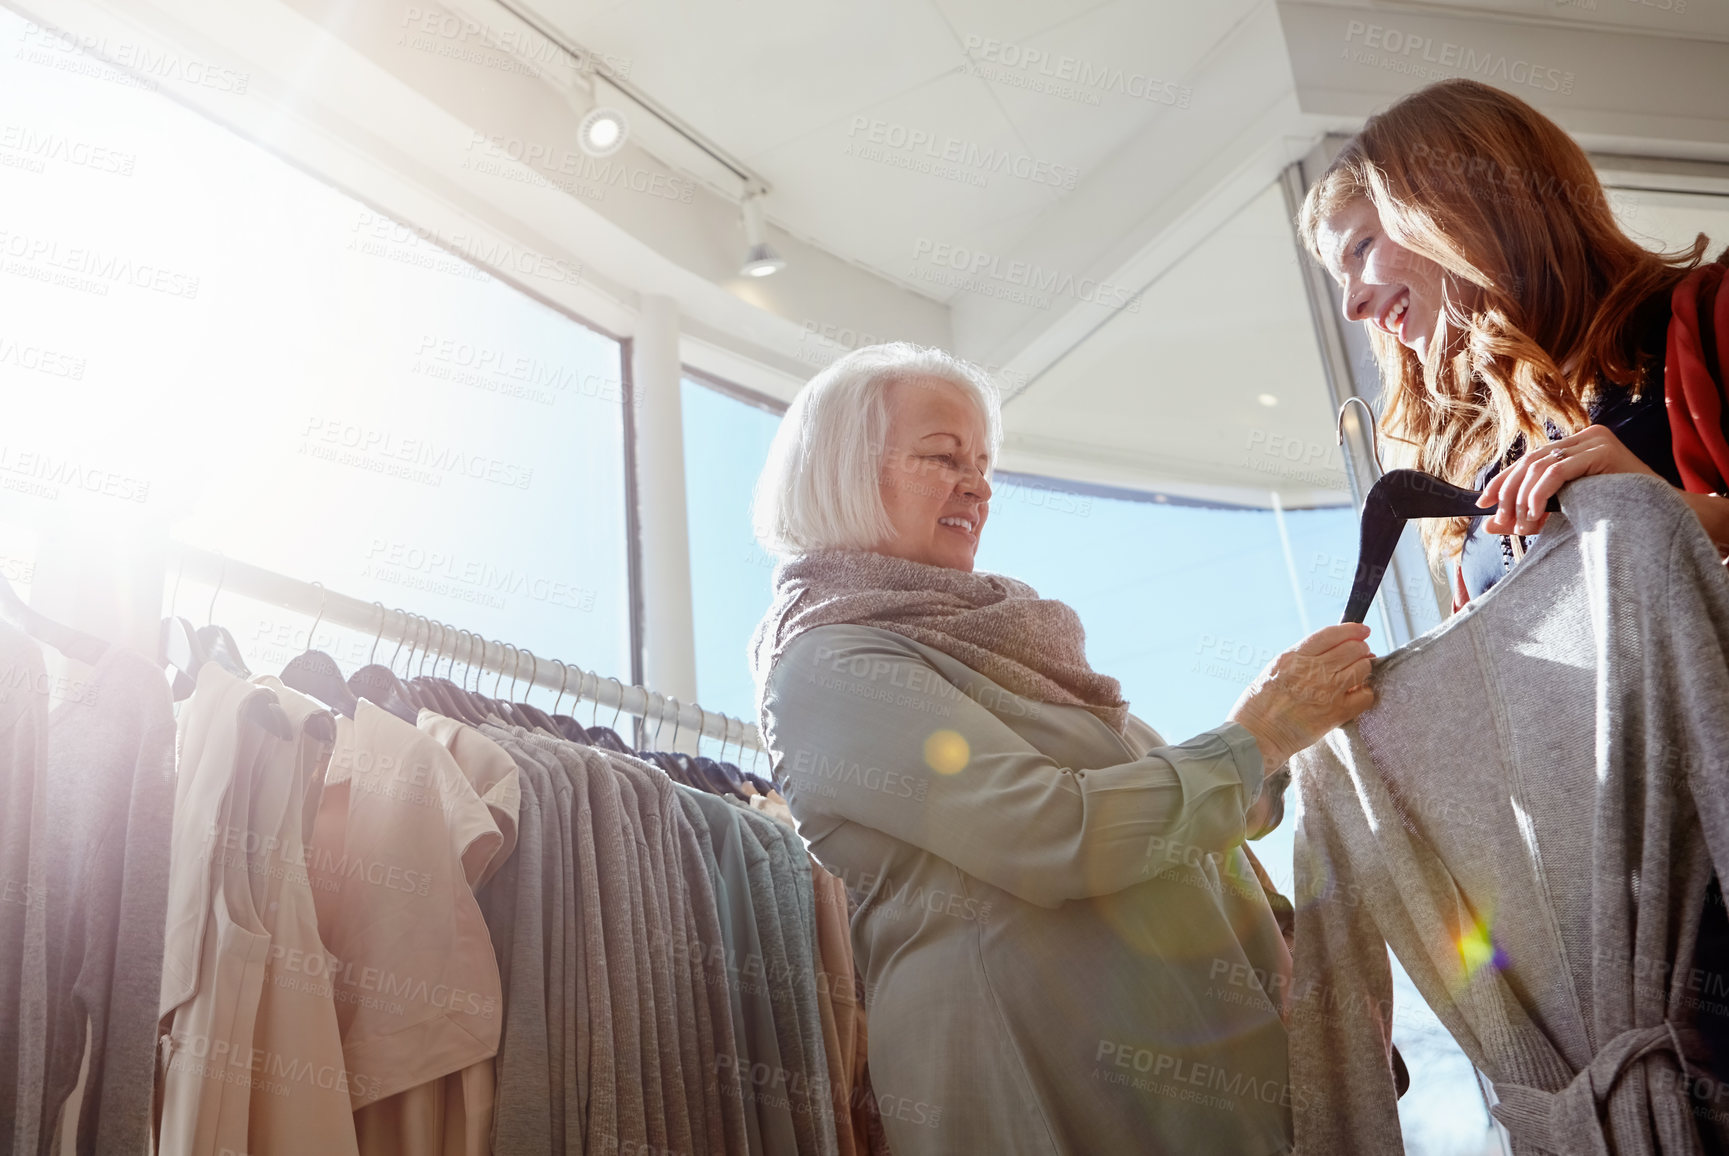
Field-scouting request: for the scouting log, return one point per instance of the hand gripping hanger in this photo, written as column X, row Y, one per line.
column 1397, row 497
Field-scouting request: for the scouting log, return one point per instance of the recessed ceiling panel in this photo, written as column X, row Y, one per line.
column 1212, row 378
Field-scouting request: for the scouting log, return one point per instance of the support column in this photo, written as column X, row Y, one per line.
column 668, row 644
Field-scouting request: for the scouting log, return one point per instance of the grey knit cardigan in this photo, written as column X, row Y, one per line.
column 1529, row 817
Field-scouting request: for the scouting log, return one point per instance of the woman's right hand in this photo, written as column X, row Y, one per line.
column 1307, row 691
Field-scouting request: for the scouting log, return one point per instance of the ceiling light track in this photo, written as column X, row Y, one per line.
column 753, row 181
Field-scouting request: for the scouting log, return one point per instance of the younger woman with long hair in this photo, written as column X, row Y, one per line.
column 1508, row 309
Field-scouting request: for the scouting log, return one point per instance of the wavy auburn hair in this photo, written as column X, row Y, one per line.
column 1537, row 275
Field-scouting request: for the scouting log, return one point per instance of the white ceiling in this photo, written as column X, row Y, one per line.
column 814, row 98
column 1180, row 389
column 798, row 91
column 1172, row 202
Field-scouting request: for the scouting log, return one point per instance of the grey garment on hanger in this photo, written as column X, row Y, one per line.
column 23, row 889
column 620, row 967
column 748, row 917
column 777, row 929
column 1058, row 925
column 514, row 904
column 795, row 898
column 567, row 1028
column 1529, row 817
column 590, row 1087
column 696, row 1033
column 108, row 810
column 735, row 1128
column 654, row 1017
column 674, row 1018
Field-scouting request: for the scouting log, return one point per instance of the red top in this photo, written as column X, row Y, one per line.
column 1695, row 384
column 1695, row 376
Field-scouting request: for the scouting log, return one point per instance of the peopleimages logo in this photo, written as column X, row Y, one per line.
column 989, row 273
column 574, row 168
column 38, row 147
column 1068, row 76
column 40, row 360
column 47, row 255
column 966, row 156
column 1425, row 58
column 150, row 64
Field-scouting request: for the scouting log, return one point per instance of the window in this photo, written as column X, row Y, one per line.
column 199, row 339
column 1184, row 603
column 725, row 445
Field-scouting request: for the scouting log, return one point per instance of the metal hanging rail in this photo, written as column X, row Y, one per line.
column 231, row 575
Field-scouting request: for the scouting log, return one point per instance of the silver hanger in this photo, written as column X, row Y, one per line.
column 1374, row 431
column 563, row 677
column 311, row 634
column 379, row 633
column 221, row 577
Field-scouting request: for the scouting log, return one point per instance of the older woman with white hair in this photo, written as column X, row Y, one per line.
column 1065, row 943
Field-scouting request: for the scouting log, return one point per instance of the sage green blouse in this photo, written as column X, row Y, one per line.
column 1064, row 946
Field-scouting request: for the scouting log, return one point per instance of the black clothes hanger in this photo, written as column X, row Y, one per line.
column 652, row 750
column 717, row 778
column 219, row 645
column 315, row 673
column 178, row 648
column 1397, row 497
column 606, row 737
column 179, row 651
column 707, row 769
column 476, row 702
column 424, row 691
column 488, row 708
column 573, row 730
column 563, row 723
column 264, row 711
column 493, row 704
column 680, row 767
column 696, row 772
column 440, row 694
column 542, row 720
column 74, row 644
column 762, row 785
column 734, row 778
column 377, row 683
column 516, row 712
column 460, row 703
column 730, row 771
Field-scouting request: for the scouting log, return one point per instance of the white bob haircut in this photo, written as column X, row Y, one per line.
column 820, row 489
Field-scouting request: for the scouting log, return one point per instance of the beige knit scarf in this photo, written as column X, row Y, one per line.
column 999, row 627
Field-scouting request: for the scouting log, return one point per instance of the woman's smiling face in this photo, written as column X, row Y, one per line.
column 933, row 482
column 1384, row 283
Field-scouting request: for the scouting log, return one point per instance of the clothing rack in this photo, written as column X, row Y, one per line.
column 478, row 653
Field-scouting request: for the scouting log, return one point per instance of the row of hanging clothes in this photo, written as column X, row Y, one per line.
column 388, row 914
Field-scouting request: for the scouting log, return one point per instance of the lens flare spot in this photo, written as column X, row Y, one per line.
column 1477, row 948
column 947, row 753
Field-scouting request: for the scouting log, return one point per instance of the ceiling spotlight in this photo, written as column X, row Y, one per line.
column 602, row 132
column 760, row 259
column 1267, row 399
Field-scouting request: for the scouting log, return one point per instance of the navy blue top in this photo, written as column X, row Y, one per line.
column 1641, row 423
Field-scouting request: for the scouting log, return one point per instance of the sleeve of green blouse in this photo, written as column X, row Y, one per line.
column 854, row 725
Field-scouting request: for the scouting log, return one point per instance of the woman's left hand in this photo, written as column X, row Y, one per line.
column 1521, row 492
